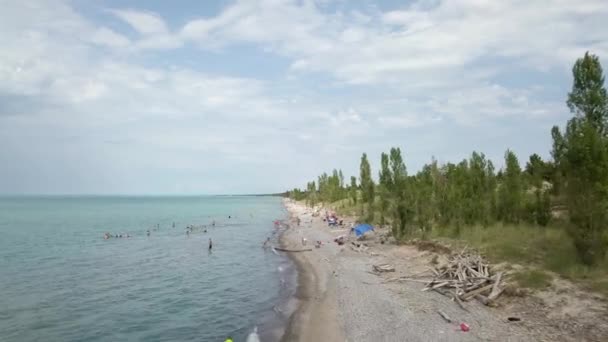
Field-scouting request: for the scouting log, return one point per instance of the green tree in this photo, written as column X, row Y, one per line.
column 581, row 154
column 536, row 170
column 510, row 194
column 367, row 184
column 342, row 186
column 402, row 213
column 353, row 189
column 384, row 186
column 588, row 98
column 538, row 208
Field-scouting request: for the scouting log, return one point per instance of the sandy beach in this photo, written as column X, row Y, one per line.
column 340, row 299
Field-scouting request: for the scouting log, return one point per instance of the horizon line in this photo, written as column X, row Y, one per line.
column 138, row 195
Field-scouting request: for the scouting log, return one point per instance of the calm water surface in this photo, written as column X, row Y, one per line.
column 61, row 281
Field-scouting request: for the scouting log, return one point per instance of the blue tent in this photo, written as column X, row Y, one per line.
column 362, row 229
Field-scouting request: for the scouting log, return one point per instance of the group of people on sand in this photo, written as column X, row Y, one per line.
column 332, row 219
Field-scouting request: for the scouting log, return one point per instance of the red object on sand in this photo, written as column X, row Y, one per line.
column 464, row 327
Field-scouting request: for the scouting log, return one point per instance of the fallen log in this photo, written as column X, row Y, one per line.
column 483, row 299
column 471, row 294
column 383, row 268
column 293, row 250
column 496, row 291
column 403, row 279
column 444, row 316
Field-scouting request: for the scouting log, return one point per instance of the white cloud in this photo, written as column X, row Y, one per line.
column 155, row 34
column 107, row 37
column 425, row 76
column 143, row 22
column 422, row 38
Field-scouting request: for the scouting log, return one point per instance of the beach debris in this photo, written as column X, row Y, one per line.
column 465, row 276
column 340, row 240
column 444, row 316
column 358, row 247
column 464, row 327
column 292, row 250
column 513, row 319
column 383, row 268
column 361, row 229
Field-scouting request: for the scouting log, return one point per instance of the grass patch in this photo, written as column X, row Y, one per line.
column 599, row 286
column 533, row 279
column 545, row 248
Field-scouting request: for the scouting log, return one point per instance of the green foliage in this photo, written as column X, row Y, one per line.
column 588, row 98
column 397, row 180
column 543, row 207
column 510, row 201
column 367, row 183
column 384, row 186
column 297, row 194
column 354, row 190
column 534, row 279
column 582, row 156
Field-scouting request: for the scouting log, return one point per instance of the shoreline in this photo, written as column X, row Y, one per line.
column 303, row 286
column 338, row 298
column 315, row 317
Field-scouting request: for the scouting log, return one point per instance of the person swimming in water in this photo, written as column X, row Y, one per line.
column 148, row 232
column 210, row 244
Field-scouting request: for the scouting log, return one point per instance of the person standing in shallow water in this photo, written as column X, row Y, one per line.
column 210, row 244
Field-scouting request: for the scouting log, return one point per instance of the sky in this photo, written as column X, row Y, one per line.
column 258, row 96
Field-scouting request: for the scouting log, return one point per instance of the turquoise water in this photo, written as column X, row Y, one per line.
column 61, row 281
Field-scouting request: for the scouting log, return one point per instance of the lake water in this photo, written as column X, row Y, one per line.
column 61, row 281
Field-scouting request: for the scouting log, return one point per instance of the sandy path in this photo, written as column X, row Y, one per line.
column 341, row 301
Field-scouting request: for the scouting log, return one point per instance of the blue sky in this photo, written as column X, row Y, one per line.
column 214, row 97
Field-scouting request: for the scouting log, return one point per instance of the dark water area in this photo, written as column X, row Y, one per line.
column 60, row 280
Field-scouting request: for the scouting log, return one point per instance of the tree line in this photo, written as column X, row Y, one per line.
column 572, row 186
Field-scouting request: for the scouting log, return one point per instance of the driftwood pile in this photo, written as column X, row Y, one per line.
column 464, row 277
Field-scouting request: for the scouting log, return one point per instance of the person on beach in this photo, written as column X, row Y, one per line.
column 210, row 244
